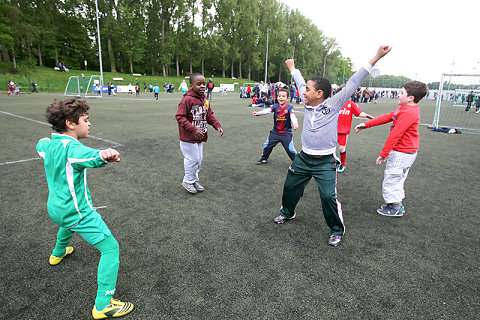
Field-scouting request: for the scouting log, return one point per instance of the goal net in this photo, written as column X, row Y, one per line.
column 458, row 100
column 83, row 87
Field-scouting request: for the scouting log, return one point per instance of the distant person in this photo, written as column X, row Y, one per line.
column 156, row 90
column 470, row 97
column 284, row 120
column 137, row 90
column 293, row 90
column 69, row 202
column 183, row 87
column 193, row 115
column 319, row 141
column 34, row 87
column 210, row 86
column 345, row 116
column 400, row 149
column 11, row 88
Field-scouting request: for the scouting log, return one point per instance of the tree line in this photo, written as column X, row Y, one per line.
column 226, row 38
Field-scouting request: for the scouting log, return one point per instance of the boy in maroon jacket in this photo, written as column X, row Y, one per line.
column 400, row 149
column 193, row 115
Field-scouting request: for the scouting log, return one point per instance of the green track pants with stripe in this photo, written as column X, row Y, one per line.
column 107, row 266
column 302, row 169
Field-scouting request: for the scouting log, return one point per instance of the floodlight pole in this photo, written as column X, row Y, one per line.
column 325, row 61
column 266, row 59
column 99, row 46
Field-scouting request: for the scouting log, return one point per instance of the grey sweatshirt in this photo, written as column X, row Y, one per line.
column 319, row 133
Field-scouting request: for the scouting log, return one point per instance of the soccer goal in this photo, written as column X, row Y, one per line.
column 454, row 93
column 83, row 87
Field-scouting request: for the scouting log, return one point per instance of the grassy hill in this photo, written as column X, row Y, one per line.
column 49, row 80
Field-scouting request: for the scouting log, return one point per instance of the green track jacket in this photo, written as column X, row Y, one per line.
column 66, row 161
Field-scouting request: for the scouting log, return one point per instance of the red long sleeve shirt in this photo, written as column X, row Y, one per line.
column 404, row 135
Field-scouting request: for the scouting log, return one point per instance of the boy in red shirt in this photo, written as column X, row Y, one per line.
column 193, row 115
column 345, row 116
column 400, row 149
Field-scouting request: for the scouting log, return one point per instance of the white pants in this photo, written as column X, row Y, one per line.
column 192, row 160
column 396, row 171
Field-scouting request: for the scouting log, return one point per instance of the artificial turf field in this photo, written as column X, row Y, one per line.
column 218, row 254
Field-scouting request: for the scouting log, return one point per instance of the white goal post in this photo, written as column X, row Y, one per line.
column 450, row 111
column 83, row 87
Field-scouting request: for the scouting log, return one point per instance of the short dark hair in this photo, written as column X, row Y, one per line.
column 68, row 109
column 284, row 90
column 416, row 89
column 323, row 84
column 194, row 75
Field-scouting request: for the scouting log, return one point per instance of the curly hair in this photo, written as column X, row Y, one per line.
column 323, row 84
column 416, row 89
column 68, row 109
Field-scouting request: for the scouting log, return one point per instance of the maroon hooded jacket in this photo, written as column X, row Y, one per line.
column 194, row 113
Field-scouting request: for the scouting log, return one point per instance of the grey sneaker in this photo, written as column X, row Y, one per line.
column 281, row 219
column 384, row 206
column 389, row 211
column 198, row 186
column 189, row 187
column 334, row 240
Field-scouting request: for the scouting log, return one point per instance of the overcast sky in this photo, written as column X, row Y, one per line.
column 428, row 37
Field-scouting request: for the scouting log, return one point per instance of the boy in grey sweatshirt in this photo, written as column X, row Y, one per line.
column 319, row 140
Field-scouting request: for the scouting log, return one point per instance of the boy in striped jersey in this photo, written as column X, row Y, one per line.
column 283, row 120
column 69, row 202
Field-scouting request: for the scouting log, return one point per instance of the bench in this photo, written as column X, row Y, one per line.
column 136, row 74
column 117, row 79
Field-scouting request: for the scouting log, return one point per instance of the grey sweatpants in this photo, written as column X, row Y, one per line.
column 192, row 160
column 396, row 171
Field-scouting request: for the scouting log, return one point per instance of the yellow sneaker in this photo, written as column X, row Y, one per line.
column 56, row 260
column 115, row 309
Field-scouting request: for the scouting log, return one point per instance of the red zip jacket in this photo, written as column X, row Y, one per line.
column 404, row 135
column 194, row 113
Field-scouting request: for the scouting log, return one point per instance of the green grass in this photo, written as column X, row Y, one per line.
column 49, row 80
column 218, row 255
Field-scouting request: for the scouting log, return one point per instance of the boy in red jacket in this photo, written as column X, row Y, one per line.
column 193, row 115
column 400, row 149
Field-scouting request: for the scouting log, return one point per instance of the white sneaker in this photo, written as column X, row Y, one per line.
column 198, row 186
column 189, row 187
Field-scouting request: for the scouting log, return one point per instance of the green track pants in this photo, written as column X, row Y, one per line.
column 107, row 266
column 302, row 169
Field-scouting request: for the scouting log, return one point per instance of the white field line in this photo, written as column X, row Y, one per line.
column 114, row 144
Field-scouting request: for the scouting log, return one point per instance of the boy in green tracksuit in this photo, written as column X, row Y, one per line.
column 69, row 202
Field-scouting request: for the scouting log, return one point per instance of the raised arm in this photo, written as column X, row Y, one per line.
column 356, row 80
column 297, row 77
column 382, row 51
